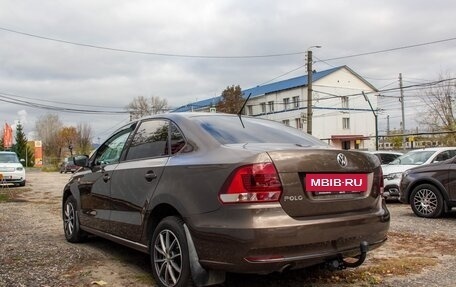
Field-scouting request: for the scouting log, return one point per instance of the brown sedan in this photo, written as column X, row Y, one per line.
column 204, row 194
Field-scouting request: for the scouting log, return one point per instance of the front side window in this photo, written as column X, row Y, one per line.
column 150, row 140
column 111, row 150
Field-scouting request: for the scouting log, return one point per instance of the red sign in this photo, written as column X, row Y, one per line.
column 7, row 136
column 348, row 182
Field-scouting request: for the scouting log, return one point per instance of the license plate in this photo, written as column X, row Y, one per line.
column 336, row 182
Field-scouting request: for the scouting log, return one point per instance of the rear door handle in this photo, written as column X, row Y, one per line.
column 150, row 175
column 106, row 177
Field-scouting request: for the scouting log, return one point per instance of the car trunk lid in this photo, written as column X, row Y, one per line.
column 326, row 181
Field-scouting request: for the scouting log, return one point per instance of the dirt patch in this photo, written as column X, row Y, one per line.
column 34, row 252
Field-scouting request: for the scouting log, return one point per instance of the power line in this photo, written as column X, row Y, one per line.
column 390, row 49
column 219, row 56
column 151, row 53
column 7, row 98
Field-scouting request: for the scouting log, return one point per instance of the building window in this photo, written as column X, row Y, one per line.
column 298, row 123
column 286, row 122
column 296, row 102
column 263, row 108
column 271, row 106
column 345, row 123
column 344, row 102
column 250, row 109
column 286, row 102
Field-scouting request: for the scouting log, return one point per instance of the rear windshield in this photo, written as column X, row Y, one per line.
column 8, row 158
column 229, row 130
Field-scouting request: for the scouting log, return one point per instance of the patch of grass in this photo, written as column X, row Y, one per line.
column 50, row 168
column 4, row 197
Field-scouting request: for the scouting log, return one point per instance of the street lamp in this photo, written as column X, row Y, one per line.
column 309, row 88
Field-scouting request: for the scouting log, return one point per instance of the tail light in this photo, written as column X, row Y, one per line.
column 252, row 183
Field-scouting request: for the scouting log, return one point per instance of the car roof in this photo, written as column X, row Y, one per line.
column 385, row 152
column 7, row 152
column 434, row 149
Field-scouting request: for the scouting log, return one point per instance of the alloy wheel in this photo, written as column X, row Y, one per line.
column 69, row 219
column 425, row 201
column 168, row 258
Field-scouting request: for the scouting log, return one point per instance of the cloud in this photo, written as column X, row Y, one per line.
column 52, row 72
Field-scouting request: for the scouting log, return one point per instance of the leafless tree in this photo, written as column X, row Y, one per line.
column 439, row 101
column 48, row 127
column 141, row 106
column 84, row 134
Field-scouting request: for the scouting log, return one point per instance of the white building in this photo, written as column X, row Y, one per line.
column 341, row 114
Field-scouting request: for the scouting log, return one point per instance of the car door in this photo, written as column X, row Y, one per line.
column 452, row 180
column 94, row 185
column 135, row 179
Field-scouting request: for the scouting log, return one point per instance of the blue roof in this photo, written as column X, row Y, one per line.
column 261, row 90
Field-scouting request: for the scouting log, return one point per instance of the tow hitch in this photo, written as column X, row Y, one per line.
column 341, row 263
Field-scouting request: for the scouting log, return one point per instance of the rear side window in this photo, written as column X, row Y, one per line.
column 150, row 140
column 229, row 130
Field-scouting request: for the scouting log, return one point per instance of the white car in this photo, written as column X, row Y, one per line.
column 11, row 169
column 392, row 172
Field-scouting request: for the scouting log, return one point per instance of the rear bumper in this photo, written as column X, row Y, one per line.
column 254, row 241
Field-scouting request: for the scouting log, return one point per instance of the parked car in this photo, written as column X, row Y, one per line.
column 386, row 157
column 392, row 172
column 12, row 172
column 430, row 189
column 207, row 193
column 68, row 165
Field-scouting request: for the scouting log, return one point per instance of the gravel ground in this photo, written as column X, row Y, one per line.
column 34, row 252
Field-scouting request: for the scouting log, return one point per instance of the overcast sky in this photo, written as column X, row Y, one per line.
column 58, row 74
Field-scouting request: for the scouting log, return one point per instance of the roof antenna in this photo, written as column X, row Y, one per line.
column 242, row 108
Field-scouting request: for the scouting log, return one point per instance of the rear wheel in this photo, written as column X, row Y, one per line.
column 169, row 254
column 427, row 201
column 71, row 221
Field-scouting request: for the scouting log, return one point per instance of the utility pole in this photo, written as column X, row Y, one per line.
column 309, row 92
column 387, row 125
column 376, row 120
column 401, row 99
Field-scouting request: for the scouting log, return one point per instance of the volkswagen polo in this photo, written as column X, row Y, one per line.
column 206, row 194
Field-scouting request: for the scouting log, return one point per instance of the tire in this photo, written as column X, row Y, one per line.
column 71, row 228
column 169, row 254
column 22, row 183
column 427, row 201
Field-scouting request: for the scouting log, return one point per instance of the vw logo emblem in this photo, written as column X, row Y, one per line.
column 342, row 160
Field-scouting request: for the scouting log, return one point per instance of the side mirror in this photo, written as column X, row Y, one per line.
column 22, row 160
column 81, row 160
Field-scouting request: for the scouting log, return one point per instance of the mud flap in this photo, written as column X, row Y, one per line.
column 201, row 276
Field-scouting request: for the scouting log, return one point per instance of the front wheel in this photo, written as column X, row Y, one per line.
column 71, row 221
column 427, row 201
column 169, row 254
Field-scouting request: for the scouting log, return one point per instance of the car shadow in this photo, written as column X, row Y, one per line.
column 304, row 277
